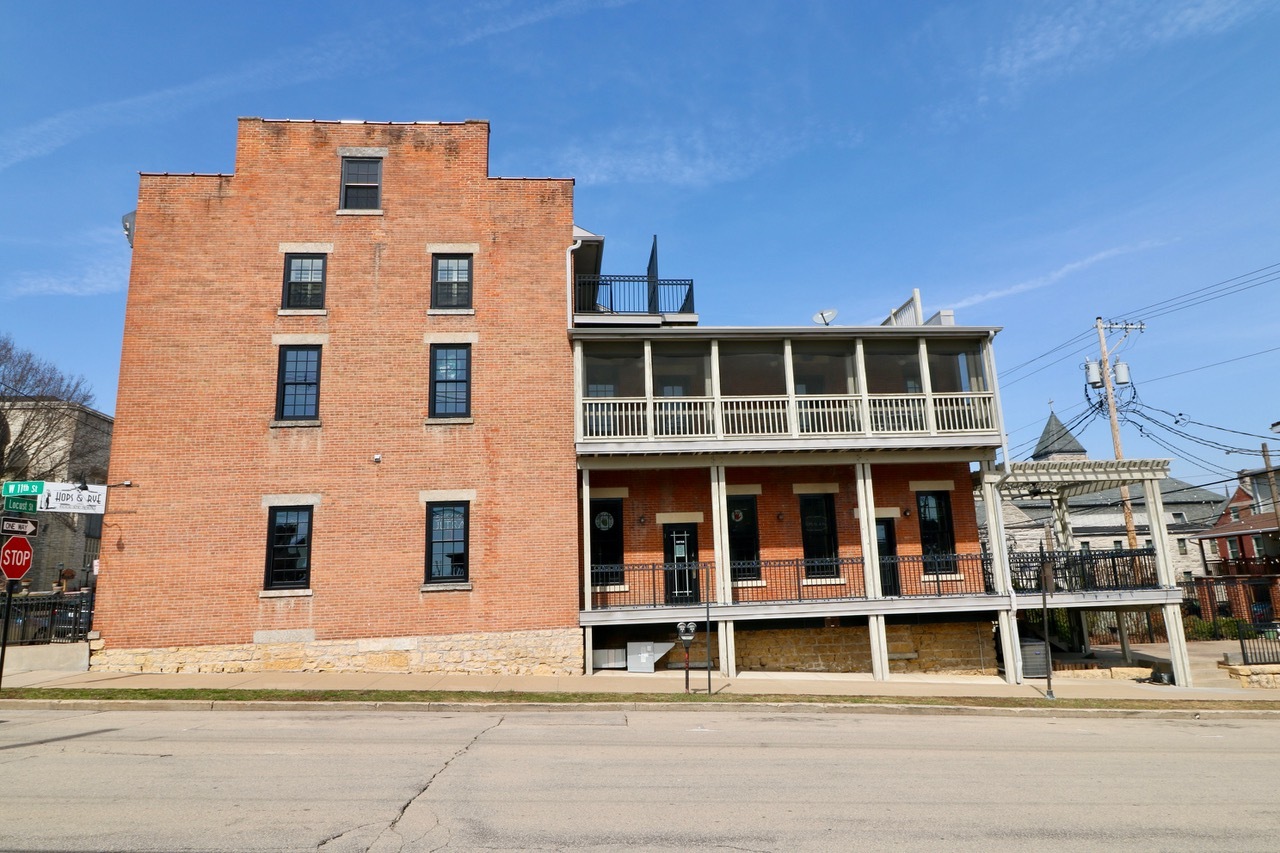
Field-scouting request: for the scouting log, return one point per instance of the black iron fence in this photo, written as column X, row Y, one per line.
column 814, row 579
column 633, row 294
column 1221, row 608
column 651, row 584
column 1260, row 644
column 49, row 617
column 1085, row 571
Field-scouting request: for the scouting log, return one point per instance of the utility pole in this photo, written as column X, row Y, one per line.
column 1271, row 484
column 1125, row 504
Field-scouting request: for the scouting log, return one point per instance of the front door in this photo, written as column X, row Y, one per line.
column 606, row 542
column 680, row 556
column 887, row 545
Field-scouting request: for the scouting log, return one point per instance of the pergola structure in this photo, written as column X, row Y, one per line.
column 1062, row 480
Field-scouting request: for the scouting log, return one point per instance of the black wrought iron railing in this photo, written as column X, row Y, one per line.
column 1085, row 571
column 49, row 617
column 936, row 575
column 633, row 294
column 1260, row 644
column 799, row 579
column 651, row 584
column 1244, row 566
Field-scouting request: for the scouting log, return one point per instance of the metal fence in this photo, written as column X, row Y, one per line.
column 1084, row 571
column 1260, row 644
column 49, row 618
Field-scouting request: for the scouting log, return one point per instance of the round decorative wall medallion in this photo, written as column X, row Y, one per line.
column 604, row 520
column 737, row 515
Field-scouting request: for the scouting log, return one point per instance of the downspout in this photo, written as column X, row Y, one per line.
column 568, row 280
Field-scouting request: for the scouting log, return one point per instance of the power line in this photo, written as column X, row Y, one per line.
column 1215, row 364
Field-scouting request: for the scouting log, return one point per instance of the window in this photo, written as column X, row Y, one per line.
column 451, row 381
column 304, row 281
column 298, row 383
column 451, row 281
column 1179, row 518
column 1235, row 513
column 1182, row 547
column 1085, row 547
column 447, row 542
column 1233, row 549
column 1117, row 545
column 937, row 533
column 289, row 548
column 818, row 536
column 361, row 183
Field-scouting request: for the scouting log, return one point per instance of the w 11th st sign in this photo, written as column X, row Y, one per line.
column 23, row 487
column 70, row 497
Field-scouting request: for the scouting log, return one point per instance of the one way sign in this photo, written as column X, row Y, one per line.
column 19, row 526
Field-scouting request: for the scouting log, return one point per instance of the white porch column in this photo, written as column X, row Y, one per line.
column 587, row 663
column 1154, row 505
column 1178, row 656
column 867, row 529
column 724, row 585
column 728, row 651
column 1010, row 646
column 879, row 647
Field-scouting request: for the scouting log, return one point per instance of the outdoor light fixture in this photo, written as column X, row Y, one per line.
column 641, row 519
column 779, row 516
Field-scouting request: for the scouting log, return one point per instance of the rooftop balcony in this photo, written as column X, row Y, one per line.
column 626, row 298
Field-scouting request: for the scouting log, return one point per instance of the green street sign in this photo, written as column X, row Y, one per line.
column 24, row 487
column 19, row 504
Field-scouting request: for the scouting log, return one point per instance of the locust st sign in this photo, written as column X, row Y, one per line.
column 13, row 526
column 19, row 504
column 15, row 558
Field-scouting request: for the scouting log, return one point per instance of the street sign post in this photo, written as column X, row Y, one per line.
column 14, row 526
column 14, row 504
column 15, row 558
column 23, row 487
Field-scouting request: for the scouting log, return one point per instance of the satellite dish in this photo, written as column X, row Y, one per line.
column 825, row 316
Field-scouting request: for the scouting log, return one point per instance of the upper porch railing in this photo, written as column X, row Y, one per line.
column 1245, row 566
column 633, row 294
column 641, row 418
column 1085, row 571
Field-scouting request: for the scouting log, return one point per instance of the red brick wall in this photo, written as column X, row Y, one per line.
column 183, row 551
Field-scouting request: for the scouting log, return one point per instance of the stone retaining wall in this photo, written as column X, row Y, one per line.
column 552, row 652
column 958, row 648
column 1265, row 676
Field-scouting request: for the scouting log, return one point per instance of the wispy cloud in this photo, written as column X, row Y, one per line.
column 1062, row 272
column 356, row 51
column 94, row 263
column 694, row 156
column 1061, row 38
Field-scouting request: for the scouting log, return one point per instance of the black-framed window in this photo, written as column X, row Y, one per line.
column 298, row 383
column 937, row 532
column 289, row 548
column 304, row 281
column 451, row 281
column 450, row 381
column 447, row 526
column 361, row 183
column 818, row 536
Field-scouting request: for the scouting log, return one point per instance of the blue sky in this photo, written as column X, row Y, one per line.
column 1030, row 165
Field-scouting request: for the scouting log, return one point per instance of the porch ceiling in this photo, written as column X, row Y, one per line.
column 591, row 458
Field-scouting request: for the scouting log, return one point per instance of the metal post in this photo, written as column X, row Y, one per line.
column 1046, row 578
column 9, row 588
column 708, row 647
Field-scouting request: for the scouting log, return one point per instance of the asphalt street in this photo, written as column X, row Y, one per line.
column 639, row 780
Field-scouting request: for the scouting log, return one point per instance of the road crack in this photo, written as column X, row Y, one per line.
column 392, row 834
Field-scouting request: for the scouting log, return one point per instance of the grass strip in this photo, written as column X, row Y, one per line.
column 563, row 698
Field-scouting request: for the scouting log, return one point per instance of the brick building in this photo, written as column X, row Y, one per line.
column 383, row 412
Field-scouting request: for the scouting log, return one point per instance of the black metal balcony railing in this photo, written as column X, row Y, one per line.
column 651, row 584
column 633, row 294
column 1245, row 566
column 1085, row 571
column 815, row 579
column 936, row 575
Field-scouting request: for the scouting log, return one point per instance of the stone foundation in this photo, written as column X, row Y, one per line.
column 551, row 652
column 1264, row 676
column 956, row 648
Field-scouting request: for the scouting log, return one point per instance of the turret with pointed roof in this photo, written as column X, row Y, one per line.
column 1057, row 442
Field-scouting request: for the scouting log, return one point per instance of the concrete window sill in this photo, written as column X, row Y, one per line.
column 295, row 424
column 285, row 593
column 446, row 587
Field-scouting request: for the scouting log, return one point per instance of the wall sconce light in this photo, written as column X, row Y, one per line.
column 780, row 516
column 906, row 513
column 641, row 519
column 377, row 458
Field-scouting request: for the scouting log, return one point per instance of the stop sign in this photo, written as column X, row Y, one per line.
column 15, row 558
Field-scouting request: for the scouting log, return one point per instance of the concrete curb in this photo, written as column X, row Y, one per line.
column 1203, row 714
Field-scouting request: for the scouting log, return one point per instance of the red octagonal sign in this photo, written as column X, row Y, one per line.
column 15, row 558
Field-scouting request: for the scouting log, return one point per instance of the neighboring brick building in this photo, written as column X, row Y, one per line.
column 383, row 412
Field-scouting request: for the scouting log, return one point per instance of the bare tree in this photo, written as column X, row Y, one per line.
column 47, row 429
